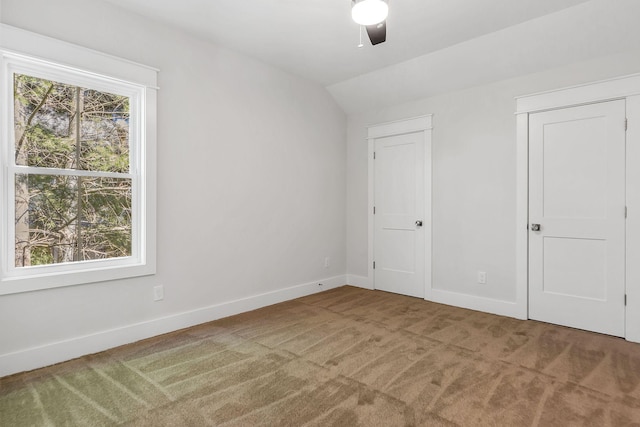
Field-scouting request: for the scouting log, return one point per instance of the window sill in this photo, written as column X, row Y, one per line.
column 20, row 284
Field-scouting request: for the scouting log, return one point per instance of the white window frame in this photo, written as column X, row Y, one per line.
column 27, row 53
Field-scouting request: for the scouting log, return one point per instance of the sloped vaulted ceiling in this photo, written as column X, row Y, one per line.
column 432, row 45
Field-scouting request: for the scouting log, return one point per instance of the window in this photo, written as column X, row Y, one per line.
column 77, row 166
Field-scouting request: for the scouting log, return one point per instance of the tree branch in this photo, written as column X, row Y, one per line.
column 30, row 119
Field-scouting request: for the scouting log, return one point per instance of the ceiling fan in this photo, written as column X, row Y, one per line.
column 372, row 14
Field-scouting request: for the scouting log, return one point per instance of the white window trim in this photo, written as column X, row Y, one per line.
column 33, row 54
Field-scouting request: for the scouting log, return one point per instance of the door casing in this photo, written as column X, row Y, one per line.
column 422, row 124
column 627, row 88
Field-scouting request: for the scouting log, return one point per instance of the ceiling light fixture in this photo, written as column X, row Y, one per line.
column 369, row 12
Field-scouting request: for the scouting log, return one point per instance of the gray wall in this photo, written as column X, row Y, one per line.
column 251, row 173
column 474, row 172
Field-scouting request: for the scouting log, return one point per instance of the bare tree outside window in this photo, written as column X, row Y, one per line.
column 62, row 217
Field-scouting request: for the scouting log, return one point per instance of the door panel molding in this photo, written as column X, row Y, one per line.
column 422, row 124
column 625, row 87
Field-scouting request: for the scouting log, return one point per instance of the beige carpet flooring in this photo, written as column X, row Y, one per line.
column 345, row 357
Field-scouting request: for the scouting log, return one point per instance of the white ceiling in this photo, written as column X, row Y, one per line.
column 316, row 39
column 598, row 38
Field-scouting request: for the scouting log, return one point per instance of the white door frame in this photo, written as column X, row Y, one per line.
column 627, row 88
column 400, row 127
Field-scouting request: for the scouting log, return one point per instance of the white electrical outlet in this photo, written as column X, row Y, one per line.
column 482, row 277
column 327, row 262
column 158, row 293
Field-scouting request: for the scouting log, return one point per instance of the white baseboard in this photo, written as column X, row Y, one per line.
column 359, row 281
column 472, row 302
column 49, row 354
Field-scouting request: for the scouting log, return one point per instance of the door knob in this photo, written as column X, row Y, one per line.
column 535, row 227
column 418, row 223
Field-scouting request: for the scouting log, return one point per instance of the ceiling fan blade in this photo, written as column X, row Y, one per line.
column 377, row 33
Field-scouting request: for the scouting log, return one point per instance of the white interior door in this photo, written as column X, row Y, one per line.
column 577, row 197
column 399, row 227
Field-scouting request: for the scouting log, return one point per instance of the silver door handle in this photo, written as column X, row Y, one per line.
column 418, row 223
column 535, row 227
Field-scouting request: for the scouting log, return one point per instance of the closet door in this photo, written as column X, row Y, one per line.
column 399, row 230
column 577, row 217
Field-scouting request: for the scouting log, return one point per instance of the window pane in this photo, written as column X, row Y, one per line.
column 105, row 132
column 69, row 218
column 46, row 227
column 48, row 133
column 106, row 218
column 44, row 123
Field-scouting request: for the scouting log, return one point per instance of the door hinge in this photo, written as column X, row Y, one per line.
column 625, row 300
column 626, row 212
column 626, row 124
column 374, row 155
column 374, row 265
column 374, row 210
